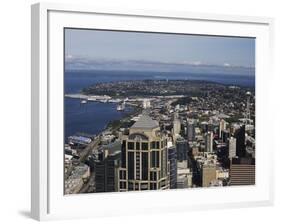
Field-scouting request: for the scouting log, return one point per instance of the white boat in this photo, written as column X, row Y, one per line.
column 83, row 101
column 121, row 107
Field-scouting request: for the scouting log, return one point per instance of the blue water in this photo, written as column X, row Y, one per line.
column 93, row 117
column 76, row 80
column 89, row 118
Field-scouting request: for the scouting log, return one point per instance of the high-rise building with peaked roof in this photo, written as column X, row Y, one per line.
column 144, row 157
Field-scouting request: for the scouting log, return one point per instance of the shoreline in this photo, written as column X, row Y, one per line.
column 109, row 99
column 112, row 124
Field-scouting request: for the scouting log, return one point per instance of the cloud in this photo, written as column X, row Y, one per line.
column 226, row 65
column 68, row 56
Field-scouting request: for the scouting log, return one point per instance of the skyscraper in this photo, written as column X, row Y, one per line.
column 144, row 163
column 190, row 131
column 240, row 142
column 231, row 147
column 182, row 149
column 176, row 125
column 106, row 164
column 209, row 141
column 248, row 110
column 222, row 127
column 106, row 173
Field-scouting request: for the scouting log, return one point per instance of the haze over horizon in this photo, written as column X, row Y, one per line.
column 136, row 51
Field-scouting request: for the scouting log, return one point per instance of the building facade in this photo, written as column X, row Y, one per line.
column 172, row 158
column 208, row 174
column 240, row 142
column 209, row 141
column 106, row 173
column 184, row 175
column 176, row 125
column 190, row 131
column 182, row 149
column 231, row 147
column 222, row 127
column 242, row 171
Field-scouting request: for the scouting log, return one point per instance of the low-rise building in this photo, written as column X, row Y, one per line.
column 208, row 174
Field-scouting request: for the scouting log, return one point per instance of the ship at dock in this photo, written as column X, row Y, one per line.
column 120, row 106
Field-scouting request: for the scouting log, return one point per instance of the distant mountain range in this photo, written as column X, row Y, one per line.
column 80, row 63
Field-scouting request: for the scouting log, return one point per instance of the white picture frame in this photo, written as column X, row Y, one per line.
column 48, row 201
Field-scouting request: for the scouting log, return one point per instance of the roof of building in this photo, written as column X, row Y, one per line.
column 221, row 116
column 145, row 122
column 79, row 139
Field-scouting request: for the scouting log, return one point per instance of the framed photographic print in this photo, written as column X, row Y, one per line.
column 148, row 111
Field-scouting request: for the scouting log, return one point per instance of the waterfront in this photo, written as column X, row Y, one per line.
column 90, row 118
column 93, row 117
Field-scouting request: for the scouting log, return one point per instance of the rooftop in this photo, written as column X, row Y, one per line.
column 145, row 122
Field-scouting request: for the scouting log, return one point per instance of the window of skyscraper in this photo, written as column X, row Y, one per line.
column 144, row 146
column 131, row 145
column 137, row 146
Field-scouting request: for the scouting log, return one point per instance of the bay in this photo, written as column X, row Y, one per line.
column 93, row 117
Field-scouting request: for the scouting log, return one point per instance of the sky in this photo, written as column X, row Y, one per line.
column 118, row 50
